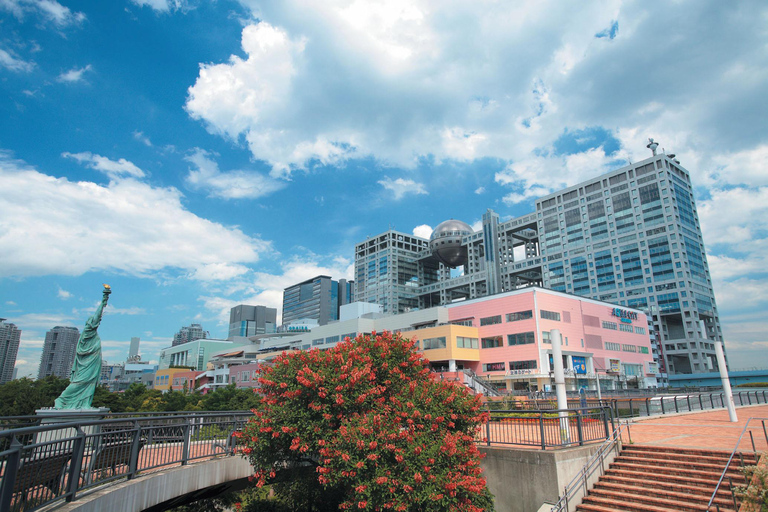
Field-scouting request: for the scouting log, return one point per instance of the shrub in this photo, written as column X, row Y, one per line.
column 364, row 426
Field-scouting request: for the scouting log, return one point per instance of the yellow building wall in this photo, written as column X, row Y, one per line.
column 164, row 384
column 451, row 351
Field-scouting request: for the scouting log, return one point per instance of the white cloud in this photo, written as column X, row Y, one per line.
column 12, row 63
column 400, row 187
column 64, row 294
column 115, row 169
column 423, row 231
column 50, row 10
column 236, row 184
column 480, row 190
column 163, row 5
column 139, row 136
column 55, row 226
column 74, row 75
column 266, row 289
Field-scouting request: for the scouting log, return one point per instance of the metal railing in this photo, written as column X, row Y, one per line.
column 556, row 428
column 49, row 463
column 728, row 464
column 578, row 487
column 662, row 404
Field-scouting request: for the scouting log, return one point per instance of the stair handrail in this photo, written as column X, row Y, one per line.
column 581, row 478
column 490, row 390
column 728, row 464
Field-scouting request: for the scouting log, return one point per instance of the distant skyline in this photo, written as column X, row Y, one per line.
column 198, row 155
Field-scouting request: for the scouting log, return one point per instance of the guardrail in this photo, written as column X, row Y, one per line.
column 45, row 464
column 727, row 464
column 558, row 428
column 662, row 404
column 578, row 487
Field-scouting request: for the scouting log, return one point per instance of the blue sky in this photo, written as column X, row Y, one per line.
column 200, row 154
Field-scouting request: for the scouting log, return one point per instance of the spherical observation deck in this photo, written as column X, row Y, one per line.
column 445, row 242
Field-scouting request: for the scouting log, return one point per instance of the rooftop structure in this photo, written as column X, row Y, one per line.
column 58, row 352
column 245, row 320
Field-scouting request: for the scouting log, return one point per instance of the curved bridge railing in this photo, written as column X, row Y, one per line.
column 43, row 464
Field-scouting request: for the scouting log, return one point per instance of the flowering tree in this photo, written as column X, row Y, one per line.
column 368, row 428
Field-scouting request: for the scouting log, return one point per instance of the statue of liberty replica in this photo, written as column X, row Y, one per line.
column 86, row 370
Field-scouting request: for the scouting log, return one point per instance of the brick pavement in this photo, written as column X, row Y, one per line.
column 707, row 430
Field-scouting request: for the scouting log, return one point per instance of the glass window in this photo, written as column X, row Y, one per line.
column 490, row 320
column 492, row 342
column 493, row 367
column 522, row 338
column 463, row 342
column 519, row 315
column 550, row 315
column 433, row 343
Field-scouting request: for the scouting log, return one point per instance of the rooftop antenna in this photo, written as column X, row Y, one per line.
column 652, row 145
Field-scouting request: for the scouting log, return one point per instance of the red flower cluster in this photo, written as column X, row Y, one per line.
column 379, row 430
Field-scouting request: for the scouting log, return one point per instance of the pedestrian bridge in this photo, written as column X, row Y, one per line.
column 150, row 461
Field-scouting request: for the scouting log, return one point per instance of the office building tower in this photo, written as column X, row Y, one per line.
column 317, row 299
column 247, row 320
column 190, row 333
column 133, row 351
column 59, row 352
column 10, row 337
column 630, row 237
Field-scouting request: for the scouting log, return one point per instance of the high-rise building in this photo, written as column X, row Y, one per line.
column 630, row 237
column 59, row 352
column 10, row 337
column 245, row 320
column 190, row 333
column 133, row 351
column 317, row 299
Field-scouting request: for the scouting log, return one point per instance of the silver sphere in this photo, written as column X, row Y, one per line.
column 445, row 242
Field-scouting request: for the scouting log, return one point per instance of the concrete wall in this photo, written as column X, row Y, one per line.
column 522, row 480
column 149, row 490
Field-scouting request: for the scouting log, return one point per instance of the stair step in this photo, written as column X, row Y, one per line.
column 684, row 484
column 700, row 496
column 749, row 459
column 673, row 463
column 658, row 505
column 676, row 471
column 683, row 451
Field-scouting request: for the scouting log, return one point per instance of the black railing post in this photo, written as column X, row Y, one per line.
column 749, row 400
column 711, row 403
column 578, row 428
column 488, row 429
column 631, row 410
column 688, row 398
column 10, row 472
column 661, row 399
column 75, row 467
column 701, row 404
column 616, row 407
column 185, row 448
column 648, row 406
column 541, row 430
column 722, row 400
column 604, row 414
column 133, row 462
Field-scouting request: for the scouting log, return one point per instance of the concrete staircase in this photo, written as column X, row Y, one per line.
column 661, row 479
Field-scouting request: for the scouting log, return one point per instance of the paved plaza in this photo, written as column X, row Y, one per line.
column 707, row 430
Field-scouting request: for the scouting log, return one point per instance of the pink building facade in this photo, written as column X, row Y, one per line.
column 244, row 375
column 601, row 342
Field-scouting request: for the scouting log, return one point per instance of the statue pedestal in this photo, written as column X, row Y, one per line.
column 49, row 416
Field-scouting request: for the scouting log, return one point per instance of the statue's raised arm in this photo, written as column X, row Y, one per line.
column 86, row 370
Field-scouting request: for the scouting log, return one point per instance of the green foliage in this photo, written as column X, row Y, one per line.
column 22, row 397
column 752, row 385
column 365, row 426
column 755, row 494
